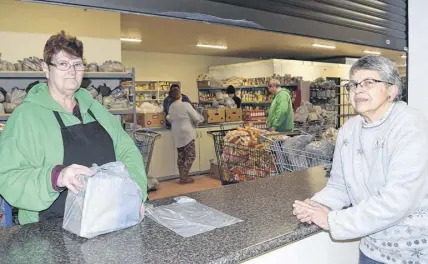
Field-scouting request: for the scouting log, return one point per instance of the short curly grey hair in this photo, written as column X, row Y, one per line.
column 386, row 68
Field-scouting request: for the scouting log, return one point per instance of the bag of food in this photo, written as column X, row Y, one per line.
column 118, row 92
column 18, row 66
column 92, row 67
column 104, row 90
column 319, row 152
column 293, row 149
column 17, row 95
column 112, row 66
column 110, row 201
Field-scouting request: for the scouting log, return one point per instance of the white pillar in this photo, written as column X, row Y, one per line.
column 418, row 55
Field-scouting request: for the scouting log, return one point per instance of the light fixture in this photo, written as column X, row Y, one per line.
column 130, row 39
column 323, row 46
column 200, row 45
column 404, row 56
column 372, row 52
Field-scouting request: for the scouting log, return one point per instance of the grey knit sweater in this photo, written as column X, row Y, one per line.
column 381, row 169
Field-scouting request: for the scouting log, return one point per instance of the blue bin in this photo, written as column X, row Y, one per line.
column 7, row 214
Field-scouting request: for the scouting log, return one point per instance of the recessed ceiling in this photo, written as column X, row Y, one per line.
column 167, row 35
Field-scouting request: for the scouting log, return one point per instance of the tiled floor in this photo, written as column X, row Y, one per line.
column 172, row 188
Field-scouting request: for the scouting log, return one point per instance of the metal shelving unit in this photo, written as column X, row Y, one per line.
column 120, row 76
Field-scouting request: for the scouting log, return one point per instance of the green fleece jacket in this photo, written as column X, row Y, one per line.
column 31, row 146
column 281, row 116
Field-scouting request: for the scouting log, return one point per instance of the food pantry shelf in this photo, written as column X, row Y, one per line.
column 41, row 75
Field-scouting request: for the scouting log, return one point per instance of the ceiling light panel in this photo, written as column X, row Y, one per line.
column 130, row 39
column 324, row 46
column 200, row 45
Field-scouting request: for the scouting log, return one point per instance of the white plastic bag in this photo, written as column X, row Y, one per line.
column 187, row 217
column 110, row 201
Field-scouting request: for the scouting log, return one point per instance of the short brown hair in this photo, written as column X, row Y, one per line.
column 62, row 42
column 175, row 94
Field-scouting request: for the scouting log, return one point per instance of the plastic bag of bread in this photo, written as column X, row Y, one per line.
column 18, row 66
column 112, row 66
column 9, row 107
column 110, row 201
column 17, row 95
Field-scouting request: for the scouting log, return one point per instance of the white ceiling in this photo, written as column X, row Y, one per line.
column 181, row 36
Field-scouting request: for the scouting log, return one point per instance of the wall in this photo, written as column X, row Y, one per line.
column 151, row 66
column 308, row 70
column 417, row 57
column 25, row 28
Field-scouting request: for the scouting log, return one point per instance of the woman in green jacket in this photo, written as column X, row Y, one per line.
column 56, row 134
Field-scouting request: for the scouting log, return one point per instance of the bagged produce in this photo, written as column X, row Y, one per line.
column 92, row 67
column 112, row 66
column 149, row 108
column 118, row 92
column 110, row 201
column 9, row 107
column 108, row 102
column 17, row 96
column 319, row 152
column 18, row 66
column 292, row 148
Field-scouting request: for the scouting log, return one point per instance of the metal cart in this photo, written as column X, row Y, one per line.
column 145, row 141
column 290, row 160
column 238, row 163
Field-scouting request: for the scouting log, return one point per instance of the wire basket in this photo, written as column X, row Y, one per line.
column 291, row 160
column 145, row 141
column 238, row 163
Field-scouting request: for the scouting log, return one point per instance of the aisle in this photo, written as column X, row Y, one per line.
column 172, row 188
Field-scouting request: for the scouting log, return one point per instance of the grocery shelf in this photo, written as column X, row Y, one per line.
column 41, row 75
column 4, row 117
column 247, row 87
column 264, row 102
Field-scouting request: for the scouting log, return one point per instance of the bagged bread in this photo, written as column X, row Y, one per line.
column 110, row 201
column 17, row 95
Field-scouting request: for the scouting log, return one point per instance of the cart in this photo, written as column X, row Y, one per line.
column 238, row 163
column 145, row 141
column 291, row 160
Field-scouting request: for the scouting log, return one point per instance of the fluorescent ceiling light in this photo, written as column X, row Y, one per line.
column 372, row 52
column 211, row 46
column 403, row 56
column 323, row 46
column 131, row 39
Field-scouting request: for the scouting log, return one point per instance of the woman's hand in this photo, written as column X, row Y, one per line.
column 312, row 212
column 69, row 177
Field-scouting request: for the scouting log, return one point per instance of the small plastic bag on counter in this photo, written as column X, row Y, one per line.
column 187, row 217
column 110, row 201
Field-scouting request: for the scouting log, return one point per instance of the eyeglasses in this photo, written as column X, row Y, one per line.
column 65, row 66
column 367, row 84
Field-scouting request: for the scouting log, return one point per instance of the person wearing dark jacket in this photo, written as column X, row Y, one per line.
column 232, row 94
column 169, row 100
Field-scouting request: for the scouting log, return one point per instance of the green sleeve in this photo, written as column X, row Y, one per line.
column 128, row 153
column 25, row 182
column 280, row 111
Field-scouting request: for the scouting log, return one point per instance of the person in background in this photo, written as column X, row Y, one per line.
column 56, row 134
column 184, row 120
column 232, row 94
column 281, row 115
column 380, row 167
column 168, row 101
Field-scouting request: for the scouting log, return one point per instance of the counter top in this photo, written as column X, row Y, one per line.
column 265, row 205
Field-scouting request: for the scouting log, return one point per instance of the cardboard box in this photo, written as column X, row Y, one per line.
column 233, row 114
column 214, row 115
column 148, row 120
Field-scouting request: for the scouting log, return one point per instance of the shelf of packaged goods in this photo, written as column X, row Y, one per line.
column 264, row 102
column 247, row 87
column 151, row 91
column 41, row 75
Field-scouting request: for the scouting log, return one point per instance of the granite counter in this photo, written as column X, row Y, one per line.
column 265, row 205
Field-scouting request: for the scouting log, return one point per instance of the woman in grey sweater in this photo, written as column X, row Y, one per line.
column 184, row 120
column 379, row 174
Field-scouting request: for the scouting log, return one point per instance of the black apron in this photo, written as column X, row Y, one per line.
column 84, row 144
